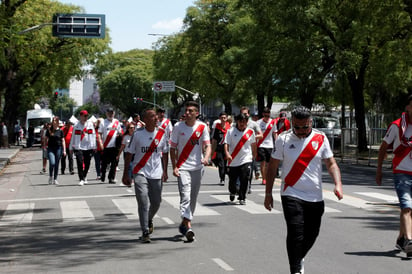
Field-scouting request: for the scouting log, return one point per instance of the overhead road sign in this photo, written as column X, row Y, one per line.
column 164, row 86
column 79, row 25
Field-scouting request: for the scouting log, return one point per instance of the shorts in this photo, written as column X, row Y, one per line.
column 45, row 154
column 264, row 154
column 403, row 186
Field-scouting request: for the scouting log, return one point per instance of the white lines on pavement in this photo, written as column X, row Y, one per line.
column 250, row 207
column 167, row 220
column 327, row 209
column 385, row 197
column 222, row 264
column 200, row 209
column 18, row 213
column 76, row 211
column 128, row 207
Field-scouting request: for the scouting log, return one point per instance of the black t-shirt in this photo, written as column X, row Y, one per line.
column 55, row 140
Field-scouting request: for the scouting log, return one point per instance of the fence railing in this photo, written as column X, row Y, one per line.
column 348, row 149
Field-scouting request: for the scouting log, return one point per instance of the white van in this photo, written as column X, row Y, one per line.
column 37, row 118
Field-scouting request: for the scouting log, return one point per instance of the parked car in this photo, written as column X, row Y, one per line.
column 331, row 127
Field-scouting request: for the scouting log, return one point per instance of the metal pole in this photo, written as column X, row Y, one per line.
column 191, row 92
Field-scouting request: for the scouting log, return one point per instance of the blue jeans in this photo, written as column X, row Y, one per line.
column 403, row 186
column 54, row 155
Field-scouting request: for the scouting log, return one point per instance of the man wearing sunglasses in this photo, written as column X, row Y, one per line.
column 301, row 150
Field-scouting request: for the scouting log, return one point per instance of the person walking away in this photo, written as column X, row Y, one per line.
column 56, row 147
column 240, row 150
column 30, row 133
column 265, row 145
column 189, row 139
column 218, row 137
column 399, row 137
column 83, row 145
column 127, row 136
column 98, row 154
column 109, row 130
column 150, row 149
column 43, row 142
column 4, row 136
column 301, row 150
column 67, row 133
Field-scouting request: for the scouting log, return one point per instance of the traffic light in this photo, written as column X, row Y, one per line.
column 138, row 99
column 56, row 94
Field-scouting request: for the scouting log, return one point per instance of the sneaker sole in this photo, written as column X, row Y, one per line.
column 190, row 236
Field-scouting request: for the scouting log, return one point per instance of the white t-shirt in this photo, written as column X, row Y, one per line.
column 268, row 142
column 84, row 136
column 180, row 136
column 139, row 145
column 107, row 126
column 168, row 128
column 288, row 148
column 244, row 155
column 126, row 140
column 392, row 136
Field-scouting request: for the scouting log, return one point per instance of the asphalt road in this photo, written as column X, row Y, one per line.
column 94, row 228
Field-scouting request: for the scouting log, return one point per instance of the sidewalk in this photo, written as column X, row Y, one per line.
column 7, row 154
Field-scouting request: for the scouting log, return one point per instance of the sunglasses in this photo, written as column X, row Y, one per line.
column 302, row 127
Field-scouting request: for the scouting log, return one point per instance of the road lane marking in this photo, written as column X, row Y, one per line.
column 223, row 264
column 327, row 209
column 128, row 207
column 200, row 209
column 250, row 207
column 19, row 213
column 385, row 197
column 76, row 211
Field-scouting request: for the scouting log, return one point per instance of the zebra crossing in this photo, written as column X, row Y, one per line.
column 78, row 209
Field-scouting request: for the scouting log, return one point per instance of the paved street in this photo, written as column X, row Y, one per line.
column 94, row 228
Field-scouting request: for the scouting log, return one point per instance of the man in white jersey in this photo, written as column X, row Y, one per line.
column 83, row 143
column 109, row 130
column 265, row 145
column 399, row 135
column 240, row 150
column 302, row 150
column 164, row 123
column 149, row 169
column 189, row 139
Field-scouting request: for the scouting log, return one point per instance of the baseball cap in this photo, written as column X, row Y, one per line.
column 84, row 112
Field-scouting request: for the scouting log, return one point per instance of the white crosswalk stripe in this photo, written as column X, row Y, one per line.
column 18, row 213
column 76, row 211
column 199, row 211
column 23, row 212
column 250, row 207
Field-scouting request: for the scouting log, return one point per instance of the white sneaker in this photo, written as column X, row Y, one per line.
column 81, row 183
column 56, row 182
column 50, row 180
column 85, row 181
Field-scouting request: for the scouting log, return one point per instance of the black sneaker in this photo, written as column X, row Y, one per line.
column 182, row 229
column 151, row 227
column 407, row 247
column 232, row 197
column 190, row 235
column 400, row 242
column 145, row 237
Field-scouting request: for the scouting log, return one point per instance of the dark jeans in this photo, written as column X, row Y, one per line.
column 98, row 162
column 220, row 162
column 109, row 158
column 303, row 221
column 54, row 155
column 69, row 156
column 83, row 156
column 242, row 173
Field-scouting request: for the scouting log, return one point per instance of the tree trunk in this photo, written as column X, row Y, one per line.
column 228, row 107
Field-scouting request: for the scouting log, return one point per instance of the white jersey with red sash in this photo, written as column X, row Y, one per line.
column 83, row 137
column 147, row 148
column 267, row 129
column 189, row 142
column 109, row 131
column 240, row 148
column 167, row 126
column 302, row 164
column 399, row 134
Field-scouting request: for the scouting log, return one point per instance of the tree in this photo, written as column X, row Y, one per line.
column 33, row 64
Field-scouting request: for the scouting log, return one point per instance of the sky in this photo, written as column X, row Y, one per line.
column 131, row 21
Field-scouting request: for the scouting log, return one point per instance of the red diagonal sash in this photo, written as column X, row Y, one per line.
column 303, row 160
column 111, row 133
column 165, row 124
column 152, row 148
column 190, row 145
column 266, row 133
column 219, row 127
column 83, row 132
column 240, row 144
